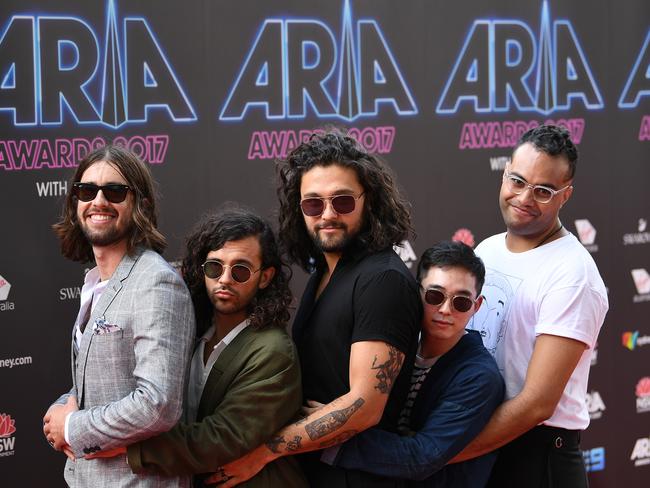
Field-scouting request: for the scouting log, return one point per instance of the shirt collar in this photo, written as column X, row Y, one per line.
column 229, row 336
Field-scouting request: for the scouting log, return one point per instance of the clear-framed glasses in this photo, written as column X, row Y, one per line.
column 240, row 272
column 342, row 204
column 460, row 303
column 541, row 193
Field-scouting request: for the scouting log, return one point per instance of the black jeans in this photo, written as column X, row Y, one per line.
column 543, row 457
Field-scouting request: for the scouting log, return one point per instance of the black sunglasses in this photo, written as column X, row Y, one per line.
column 460, row 303
column 342, row 204
column 239, row 272
column 86, row 192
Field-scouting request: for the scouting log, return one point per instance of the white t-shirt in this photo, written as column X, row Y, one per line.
column 554, row 289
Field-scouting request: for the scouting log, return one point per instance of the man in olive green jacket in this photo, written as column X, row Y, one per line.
column 245, row 377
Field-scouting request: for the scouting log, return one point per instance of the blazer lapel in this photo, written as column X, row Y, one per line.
column 113, row 287
column 215, row 389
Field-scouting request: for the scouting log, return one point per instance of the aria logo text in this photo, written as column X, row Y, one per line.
column 641, row 452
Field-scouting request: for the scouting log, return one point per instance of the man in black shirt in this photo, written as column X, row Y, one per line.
column 340, row 215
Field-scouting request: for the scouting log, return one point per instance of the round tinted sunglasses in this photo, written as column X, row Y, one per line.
column 342, row 204
column 460, row 303
column 239, row 272
column 86, row 192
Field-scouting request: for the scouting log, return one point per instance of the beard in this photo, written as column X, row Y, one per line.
column 335, row 243
column 108, row 236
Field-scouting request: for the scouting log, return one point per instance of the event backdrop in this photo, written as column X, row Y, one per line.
column 211, row 92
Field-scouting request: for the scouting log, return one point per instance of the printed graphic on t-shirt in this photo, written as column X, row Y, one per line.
column 491, row 321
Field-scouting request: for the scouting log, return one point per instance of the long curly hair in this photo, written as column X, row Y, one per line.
column 74, row 244
column 387, row 216
column 270, row 307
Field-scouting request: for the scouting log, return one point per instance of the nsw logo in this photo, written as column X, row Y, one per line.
column 465, row 236
column 643, row 395
column 7, row 438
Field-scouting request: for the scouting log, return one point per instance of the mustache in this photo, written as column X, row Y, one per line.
column 330, row 225
column 219, row 288
column 106, row 210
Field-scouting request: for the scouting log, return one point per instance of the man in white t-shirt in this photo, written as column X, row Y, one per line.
column 545, row 303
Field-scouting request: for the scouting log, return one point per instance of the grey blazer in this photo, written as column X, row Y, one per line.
column 129, row 382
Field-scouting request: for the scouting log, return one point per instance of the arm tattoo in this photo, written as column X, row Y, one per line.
column 295, row 444
column 274, row 444
column 388, row 371
column 339, row 439
column 330, row 422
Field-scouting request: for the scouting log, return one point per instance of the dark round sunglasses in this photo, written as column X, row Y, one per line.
column 460, row 303
column 342, row 204
column 86, row 192
column 239, row 272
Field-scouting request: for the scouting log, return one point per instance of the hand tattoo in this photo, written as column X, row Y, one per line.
column 344, row 436
column 295, row 444
column 388, row 371
column 330, row 422
column 274, row 444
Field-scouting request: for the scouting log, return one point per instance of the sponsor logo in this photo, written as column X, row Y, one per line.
column 640, row 237
column 643, row 395
column 631, row 340
column 7, row 438
column 60, row 61
column 298, row 65
column 586, row 234
column 465, row 236
column 5, row 304
column 642, row 283
column 503, row 65
column 595, row 405
column 70, row 293
column 276, row 144
column 641, row 452
column 37, row 154
column 405, row 251
column 594, row 459
column 636, row 86
column 644, row 130
column 11, row 362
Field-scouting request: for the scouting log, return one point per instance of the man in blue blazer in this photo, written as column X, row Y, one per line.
column 455, row 385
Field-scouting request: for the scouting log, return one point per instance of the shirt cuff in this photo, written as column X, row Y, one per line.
column 65, row 429
column 329, row 455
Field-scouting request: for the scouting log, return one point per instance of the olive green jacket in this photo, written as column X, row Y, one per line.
column 253, row 390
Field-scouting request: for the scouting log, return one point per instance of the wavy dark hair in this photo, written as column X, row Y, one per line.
column 270, row 307
column 74, row 244
column 386, row 219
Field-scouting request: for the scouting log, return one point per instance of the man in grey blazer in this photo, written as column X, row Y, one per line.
column 133, row 335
